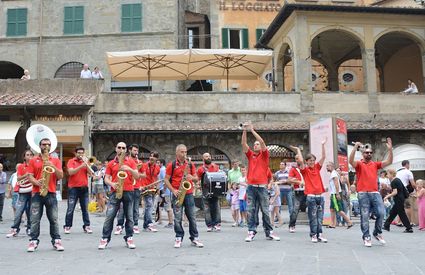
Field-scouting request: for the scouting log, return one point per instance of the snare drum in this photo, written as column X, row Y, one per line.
column 214, row 184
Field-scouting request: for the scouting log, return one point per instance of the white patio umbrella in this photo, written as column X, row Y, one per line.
column 148, row 65
column 227, row 64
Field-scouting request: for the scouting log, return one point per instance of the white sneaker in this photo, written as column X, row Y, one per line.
column 197, row 243
column 235, row 224
column 32, row 246
column 322, row 239
column 178, row 243
column 103, row 243
column 314, row 239
column 87, row 230
column 367, row 242
column 130, row 243
column 151, row 228
column 136, row 230
column 118, row 230
column 58, row 245
column 67, row 230
column 380, row 239
column 250, row 236
column 292, row 229
column 273, row 237
column 13, row 233
column 209, row 229
column 217, row 227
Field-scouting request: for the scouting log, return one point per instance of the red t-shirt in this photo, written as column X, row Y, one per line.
column 313, row 180
column 35, row 168
column 137, row 183
column 112, row 170
column 293, row 173
column 258, row 164
column 79, row 179
column 206, row 168
column 178, row 174
column 22, row 170
column 152, row 172
column 367, row 176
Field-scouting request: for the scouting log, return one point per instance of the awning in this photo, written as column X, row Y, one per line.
column 415, row 154
column 8, row 131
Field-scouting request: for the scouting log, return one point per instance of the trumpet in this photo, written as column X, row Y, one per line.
column 85, row 160
column 147, row 189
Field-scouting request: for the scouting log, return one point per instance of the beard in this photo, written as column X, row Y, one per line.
column 207, row 161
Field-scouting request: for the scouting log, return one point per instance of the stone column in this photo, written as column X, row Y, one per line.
column 423, row 71
column 302, row 64
column 333, row 80
column 369, row 76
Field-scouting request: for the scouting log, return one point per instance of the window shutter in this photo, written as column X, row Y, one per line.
column 137, row 18
column 126, row 18
column 245, row 41
column 225, row 38
column 67, row 22
column 11, row 22
column 259, row 33
column 79, row 20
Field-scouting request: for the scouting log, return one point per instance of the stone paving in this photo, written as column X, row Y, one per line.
column 224, row 252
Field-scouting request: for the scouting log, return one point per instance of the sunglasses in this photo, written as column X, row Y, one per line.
column 368, row 153
column 120, row 147
column 45, row 144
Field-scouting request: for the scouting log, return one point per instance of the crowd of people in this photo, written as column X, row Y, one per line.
column 121, row 185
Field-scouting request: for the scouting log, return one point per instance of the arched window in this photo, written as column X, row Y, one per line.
column 69, row 70
column 10, row 70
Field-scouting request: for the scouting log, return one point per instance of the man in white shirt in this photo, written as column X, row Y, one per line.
column 85, row 72
column 406, row 177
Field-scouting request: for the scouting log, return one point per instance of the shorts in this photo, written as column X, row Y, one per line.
column 335, row 203
column 167, row 203
column 235, row 206
column 15, row 197
column 98, row 189
column 408, row 202
column 242, row 205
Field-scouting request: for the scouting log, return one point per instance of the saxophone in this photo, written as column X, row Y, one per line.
column 47, row 171
column 185, row 185
column 121, row 175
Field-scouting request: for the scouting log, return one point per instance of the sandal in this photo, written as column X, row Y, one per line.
column 351, row 225
column 330, row 226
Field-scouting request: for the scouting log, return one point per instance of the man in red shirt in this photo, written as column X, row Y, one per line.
column 370, row 199
column 111, row 179
column 174, row 175
column 24, row 188
column 137, row 185
column 297, row 181
column 150, row 171
column 258, row 197
column 78, row 190
column 313, row 190
column 35, row 173
column 211, row 204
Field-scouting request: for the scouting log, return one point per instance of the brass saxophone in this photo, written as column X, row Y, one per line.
column 47, row 171
column 185, row 185
column 121, row 175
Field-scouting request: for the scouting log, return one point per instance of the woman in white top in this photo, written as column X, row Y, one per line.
column 26, row 75
column 411, row 88
column 96, row 74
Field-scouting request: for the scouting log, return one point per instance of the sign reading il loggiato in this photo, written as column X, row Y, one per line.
column 255, row 6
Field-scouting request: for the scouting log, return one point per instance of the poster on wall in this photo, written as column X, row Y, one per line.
column 341, row 145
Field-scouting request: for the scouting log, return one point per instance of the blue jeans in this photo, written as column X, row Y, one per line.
column 356, row 207
column 189, row 210
column 136, row 203
column 74, row 194
column 299, row 198
column 258, row 198
column 212, row 211
column 315, row 207
column 23, row 205
column 147, row 216
column 111, row 212
column 51, row 204
column 289, row 195
column 371, row 202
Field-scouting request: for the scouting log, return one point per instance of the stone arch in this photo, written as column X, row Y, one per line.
column 284, row 73
column 218, row 156
column 332, row 46
column 70, row 69
column 278, row 153
column 10, row 70
column 399, row 56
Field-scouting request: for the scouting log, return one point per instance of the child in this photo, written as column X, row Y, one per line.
column 354, row 201
column 242, row 197
column 421, row 203
column 275, row 203
column 235, row 204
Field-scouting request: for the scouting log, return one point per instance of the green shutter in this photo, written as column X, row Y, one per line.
column 16, row 22
column 131, row 17
column 258, row 34
column 137, row 18
column 79, row 20
column 225, row 38
column 73, row 22
column 245, row 41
